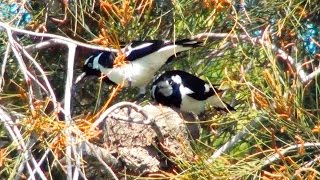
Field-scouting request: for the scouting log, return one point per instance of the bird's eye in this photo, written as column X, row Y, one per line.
column 89, row 65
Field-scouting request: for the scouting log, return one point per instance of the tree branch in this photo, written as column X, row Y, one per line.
column 304, row 78
column 22, row 65
column 56, row 39
column 146, row 121
column 3, row 66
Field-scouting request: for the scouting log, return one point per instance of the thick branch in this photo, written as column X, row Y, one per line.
column 56, row 39
column 146, row 120
column 304, row 78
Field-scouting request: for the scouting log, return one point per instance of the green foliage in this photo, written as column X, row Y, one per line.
column 262, row 83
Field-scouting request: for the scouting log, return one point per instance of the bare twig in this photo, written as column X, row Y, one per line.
column 316, row 160
column 3, row 66
column 77, row 155
column 214, row 53
column 67, row 109
column 22, row 65
column 48, row 85
column 44, row 156
column 37, row 82
column 68, row 84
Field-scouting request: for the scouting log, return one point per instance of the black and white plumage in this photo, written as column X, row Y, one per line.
column 186, row 92
column 143, row 60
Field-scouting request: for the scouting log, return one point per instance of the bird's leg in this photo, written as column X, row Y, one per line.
column 127, row 77
column 129, row 82
column 142, row 93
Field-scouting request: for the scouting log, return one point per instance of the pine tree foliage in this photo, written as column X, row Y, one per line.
column 265, row 53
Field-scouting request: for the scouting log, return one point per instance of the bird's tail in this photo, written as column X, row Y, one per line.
column 217, row 103
column 188, row 43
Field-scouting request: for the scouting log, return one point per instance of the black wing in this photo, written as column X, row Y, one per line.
column 139, row 51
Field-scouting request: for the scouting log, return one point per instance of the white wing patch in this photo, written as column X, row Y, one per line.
column 87, row 60
column 129, row 49
column 177, row 79
column 207, row 88
column 185, row 90
column 95, row 64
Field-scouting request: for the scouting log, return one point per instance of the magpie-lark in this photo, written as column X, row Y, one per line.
column 142, row 60
column 186, row 92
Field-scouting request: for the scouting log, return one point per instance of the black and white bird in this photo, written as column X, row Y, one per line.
column 142, row 60
column 186, row 92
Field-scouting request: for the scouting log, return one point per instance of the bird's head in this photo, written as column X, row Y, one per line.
column 165, row 86
column 89, row 69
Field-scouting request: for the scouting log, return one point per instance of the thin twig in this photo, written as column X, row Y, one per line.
column 77, row 155
column 44, row 156
column 48, row 85
column 312, row 162
column 37, row 82
column 23, row 67
column 3, row 66
column 26, row 153
column 214, row 53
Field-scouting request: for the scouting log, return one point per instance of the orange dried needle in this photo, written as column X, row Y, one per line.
column 113, row 94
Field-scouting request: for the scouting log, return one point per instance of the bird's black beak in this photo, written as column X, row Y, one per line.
column 80, row 77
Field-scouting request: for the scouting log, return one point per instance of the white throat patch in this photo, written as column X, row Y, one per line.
column 165, row 88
